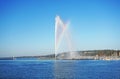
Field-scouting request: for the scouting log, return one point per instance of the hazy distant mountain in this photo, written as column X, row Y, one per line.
column 71, row 55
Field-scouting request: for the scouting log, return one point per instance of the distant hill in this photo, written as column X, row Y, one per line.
column 89, row 54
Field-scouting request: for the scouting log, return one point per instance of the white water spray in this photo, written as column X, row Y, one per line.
column 61, row 30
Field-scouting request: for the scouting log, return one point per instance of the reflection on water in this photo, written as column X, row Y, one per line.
column 64, row 69
column 59, row 69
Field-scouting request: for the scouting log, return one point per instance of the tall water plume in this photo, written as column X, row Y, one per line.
column 62, row 32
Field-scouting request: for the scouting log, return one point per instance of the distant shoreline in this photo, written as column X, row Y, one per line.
column 78, row 55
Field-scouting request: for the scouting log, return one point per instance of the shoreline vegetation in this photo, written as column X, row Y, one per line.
column 76, row 55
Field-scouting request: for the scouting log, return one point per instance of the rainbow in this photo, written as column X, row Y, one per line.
column 60, row 31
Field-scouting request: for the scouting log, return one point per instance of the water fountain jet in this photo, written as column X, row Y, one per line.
column 61, row 31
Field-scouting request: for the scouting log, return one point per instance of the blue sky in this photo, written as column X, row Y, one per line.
column 27, row 26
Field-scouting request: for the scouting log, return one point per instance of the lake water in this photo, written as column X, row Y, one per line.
column 59, row 69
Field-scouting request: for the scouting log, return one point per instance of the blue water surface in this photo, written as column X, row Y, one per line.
column 59, row 69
